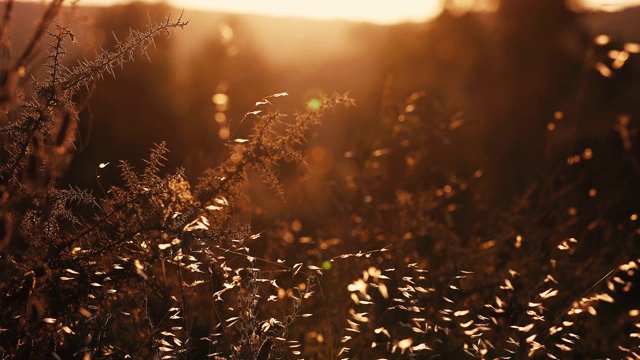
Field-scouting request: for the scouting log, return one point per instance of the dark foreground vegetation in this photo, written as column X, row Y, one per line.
column 482, row 204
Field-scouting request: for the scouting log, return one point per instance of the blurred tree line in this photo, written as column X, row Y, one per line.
column 508, row 72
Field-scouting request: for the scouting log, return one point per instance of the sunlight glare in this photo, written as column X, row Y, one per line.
column 606, row 5
column 380, row 12
column 354, row 10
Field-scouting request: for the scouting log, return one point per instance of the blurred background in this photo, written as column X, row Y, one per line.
column 509, row 90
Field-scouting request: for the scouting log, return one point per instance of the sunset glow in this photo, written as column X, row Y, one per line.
column 355, row 10
column 607, row 5
column 383, row 12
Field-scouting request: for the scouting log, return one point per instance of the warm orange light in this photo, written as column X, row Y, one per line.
column 606, row 5
column 354, row 10
column 383, row 12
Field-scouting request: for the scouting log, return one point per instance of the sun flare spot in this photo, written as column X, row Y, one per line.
column 314, row 104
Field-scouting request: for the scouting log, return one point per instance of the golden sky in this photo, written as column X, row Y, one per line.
column 379, row 11
column 609, row 5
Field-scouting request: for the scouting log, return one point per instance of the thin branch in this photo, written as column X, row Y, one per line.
column 47, row 18
column 4, row 29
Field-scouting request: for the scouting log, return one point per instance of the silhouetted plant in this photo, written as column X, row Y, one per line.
column 113, row 276
column 161, row 267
